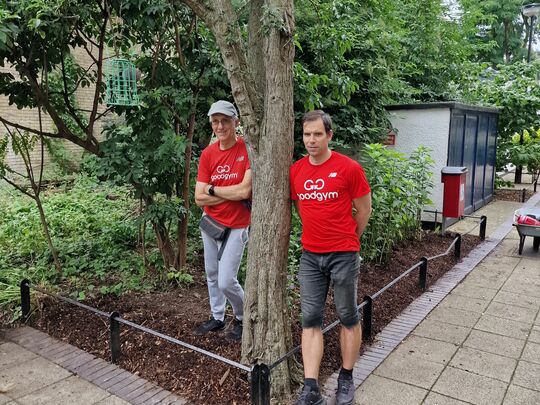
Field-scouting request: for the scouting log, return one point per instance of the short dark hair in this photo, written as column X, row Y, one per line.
column 315, row 115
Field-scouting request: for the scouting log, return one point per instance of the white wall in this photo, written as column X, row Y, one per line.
column 426, row 127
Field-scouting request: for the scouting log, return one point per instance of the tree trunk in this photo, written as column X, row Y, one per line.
column 266, row 110
column 267, row 326
column 164, row 245
column 45, row 227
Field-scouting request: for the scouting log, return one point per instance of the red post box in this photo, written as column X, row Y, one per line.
column 453, row 179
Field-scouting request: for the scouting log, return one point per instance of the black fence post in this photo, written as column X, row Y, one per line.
column 260, row 385
column 483, row 225
column 25, row 299
column 367, row 318
column 457, row 246
column 523, row 195
column 422, row 276
column 114, row 337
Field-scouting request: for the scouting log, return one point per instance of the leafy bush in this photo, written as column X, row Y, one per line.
column 93, row 228
column 526, row 153
column 400, row 189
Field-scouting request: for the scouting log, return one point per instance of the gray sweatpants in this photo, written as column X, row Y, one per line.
column 221, row 275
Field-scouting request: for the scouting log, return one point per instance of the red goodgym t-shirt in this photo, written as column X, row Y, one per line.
column 324, row 194
column 225, row 168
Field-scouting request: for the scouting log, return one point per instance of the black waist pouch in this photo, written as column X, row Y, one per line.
column 213, row 228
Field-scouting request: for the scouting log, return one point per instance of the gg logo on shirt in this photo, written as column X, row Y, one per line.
column 223, row 173
column 314, row 186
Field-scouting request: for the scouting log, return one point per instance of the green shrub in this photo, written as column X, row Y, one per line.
column 94, row 229
column 400, row 189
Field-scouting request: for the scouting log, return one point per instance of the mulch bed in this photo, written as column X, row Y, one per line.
column 176, row 312
column 512, row 194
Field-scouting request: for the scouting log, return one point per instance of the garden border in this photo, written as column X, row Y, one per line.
column 258, row 374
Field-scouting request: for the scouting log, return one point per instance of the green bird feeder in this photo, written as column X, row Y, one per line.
column 121, row 82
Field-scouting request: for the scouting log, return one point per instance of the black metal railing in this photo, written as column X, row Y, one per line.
column 258, row 374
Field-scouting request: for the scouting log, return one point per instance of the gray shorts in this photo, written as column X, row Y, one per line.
column 316, row 273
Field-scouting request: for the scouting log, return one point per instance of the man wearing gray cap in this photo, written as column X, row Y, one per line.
column 223, row 185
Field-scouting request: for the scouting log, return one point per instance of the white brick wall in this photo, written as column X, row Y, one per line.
column 30, row 118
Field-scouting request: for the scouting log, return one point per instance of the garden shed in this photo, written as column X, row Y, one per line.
column 458, row 135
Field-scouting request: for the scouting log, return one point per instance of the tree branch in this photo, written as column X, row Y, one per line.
column 21, row 189
column 31, row 130
column 63, row 130
column 69, row 106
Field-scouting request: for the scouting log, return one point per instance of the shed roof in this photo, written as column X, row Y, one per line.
column 443, row 104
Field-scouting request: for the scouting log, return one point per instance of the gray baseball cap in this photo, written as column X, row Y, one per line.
column 223, row 107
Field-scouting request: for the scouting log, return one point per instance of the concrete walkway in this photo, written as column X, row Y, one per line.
column 481, row 344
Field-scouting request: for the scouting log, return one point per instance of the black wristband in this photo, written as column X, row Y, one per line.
column 211, row 190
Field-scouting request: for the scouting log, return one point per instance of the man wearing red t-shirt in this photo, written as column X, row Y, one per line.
column 333, row 198
column 222, row 188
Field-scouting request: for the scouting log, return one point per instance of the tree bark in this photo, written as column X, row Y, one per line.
column 263, row 92
column 267, row 332
column 45, row 227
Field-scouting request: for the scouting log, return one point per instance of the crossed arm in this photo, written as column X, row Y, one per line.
column 238, row 192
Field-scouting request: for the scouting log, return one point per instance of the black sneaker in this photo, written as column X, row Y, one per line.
column 235, row 332
column 308, row 396
column 345, row 392
column 209, row 326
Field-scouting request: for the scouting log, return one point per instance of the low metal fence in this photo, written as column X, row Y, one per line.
column 259, row 375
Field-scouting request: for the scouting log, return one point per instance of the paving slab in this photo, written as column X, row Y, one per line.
column 4, row 399
column 454, row 316
column 442, row 331
column 504, row 327
column 484, row 363
column 112, row 400
column 494, row 281
column 410, row 369
column 535, row 334
column 427, row 349
column 470, row 387
column 527, row 375
column 531, row 352
column 518, row 300
column 464, row 303
column 474, row 291
column 71, row 390
column 522, row 287
column 512, row 312
column 437, row 399
column 12, row 354
column 496, row 344
column 379, row 390
column 40, row 371
column 521, row 396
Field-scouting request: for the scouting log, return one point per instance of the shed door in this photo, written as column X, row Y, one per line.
column 469, row 157
column 490, row 157
column 479, row 171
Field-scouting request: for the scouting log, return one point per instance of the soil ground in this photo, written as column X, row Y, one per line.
column 510, row 194
column 177, row 311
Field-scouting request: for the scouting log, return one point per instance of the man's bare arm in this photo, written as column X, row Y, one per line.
column 238, row 192
column 202, row 199
column 362, row 205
